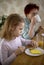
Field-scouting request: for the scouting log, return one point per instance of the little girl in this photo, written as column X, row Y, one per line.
column 13, row 43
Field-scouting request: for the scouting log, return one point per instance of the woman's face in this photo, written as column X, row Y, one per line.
column 32, row 13
column 18, row 29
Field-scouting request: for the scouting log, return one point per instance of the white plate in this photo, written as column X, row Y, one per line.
column 27, row 51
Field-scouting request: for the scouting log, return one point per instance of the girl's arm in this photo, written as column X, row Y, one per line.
column 29, row 42
column 5, row 59
column 26, row 41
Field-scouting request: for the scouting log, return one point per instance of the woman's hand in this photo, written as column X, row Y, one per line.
column 33, row 21
column 19, row 50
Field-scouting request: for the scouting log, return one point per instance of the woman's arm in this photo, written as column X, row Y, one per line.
column 5, row 59
column 31, row 30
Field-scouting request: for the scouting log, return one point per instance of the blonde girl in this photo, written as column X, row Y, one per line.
column 13, row 43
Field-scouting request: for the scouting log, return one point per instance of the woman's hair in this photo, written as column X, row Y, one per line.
column 29, row 7
column 10, row 24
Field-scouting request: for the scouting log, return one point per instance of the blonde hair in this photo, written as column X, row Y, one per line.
column 12, row 21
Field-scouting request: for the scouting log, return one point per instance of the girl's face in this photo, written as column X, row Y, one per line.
column 18, row 29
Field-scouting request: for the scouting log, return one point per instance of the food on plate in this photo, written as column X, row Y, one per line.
column 35, row 51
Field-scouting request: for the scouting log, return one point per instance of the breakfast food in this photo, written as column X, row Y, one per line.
column 35, row 51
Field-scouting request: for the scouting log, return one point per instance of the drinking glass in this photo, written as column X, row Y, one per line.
column 40, row 40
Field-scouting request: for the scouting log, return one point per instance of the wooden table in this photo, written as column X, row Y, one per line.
column 24, row 59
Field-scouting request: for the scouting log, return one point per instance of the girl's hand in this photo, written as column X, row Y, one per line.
column 34, row 43
column 19, row 50
column 22, row 48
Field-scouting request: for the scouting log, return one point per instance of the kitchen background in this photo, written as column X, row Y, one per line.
column 11, row 6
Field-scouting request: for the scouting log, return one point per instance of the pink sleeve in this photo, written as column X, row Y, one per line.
column 25, row 41
column 5, row 60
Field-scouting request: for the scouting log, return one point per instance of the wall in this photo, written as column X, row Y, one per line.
column 11, row 6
